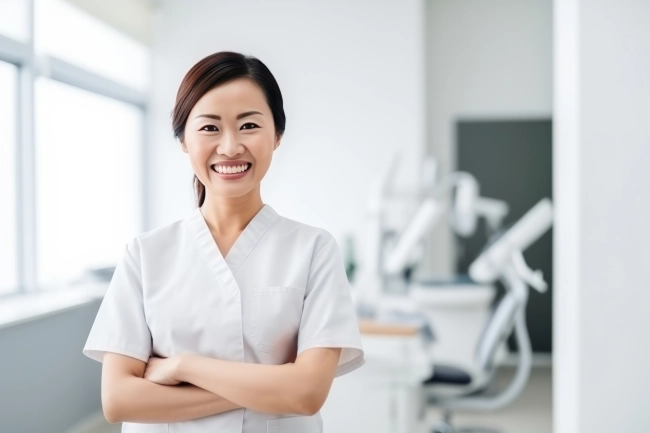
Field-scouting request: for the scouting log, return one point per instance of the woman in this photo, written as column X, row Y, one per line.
column 233, row 319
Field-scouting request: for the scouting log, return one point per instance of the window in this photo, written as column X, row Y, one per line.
column 100, row 49
column 13, row 19
column 87, row 178
column 71, row 139
column 8, row 121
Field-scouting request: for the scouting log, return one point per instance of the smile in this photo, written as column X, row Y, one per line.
column 231, row 169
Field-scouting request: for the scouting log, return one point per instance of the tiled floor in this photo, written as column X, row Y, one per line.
column 530, row 413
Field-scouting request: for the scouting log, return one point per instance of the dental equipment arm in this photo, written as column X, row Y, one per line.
column 425, row 218
column 503, row 259
column 491, row 263
column 468, row 207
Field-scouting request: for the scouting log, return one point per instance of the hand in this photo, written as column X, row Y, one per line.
column 163, row 371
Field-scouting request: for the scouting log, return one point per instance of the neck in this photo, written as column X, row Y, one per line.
column 230, row 215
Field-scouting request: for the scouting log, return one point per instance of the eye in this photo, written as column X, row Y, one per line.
column 214, row 128
column 250, row 126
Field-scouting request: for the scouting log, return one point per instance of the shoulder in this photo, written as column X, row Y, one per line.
column 306, row 234
column 157, row 239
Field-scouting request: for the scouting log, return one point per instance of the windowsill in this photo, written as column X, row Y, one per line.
column 31, row 306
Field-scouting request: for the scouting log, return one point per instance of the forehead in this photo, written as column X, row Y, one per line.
column 233, row 96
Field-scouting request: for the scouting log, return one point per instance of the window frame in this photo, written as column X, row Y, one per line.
column 32, row 65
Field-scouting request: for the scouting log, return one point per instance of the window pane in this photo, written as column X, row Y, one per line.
column 13, row 19
column 75, row 36
column 8, row 259
column 87, row 178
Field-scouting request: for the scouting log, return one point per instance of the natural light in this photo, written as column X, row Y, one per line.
column 87, row 179
column 8, row 102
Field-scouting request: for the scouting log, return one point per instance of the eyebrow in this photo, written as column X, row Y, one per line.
column 239, row 116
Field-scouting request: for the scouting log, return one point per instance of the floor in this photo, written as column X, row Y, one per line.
column 109, row 428
column 530, row 413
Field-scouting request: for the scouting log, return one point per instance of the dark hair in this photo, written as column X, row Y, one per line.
column 217, row 69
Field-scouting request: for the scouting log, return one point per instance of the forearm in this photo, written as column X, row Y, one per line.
column 134, row 399
column 276, row 389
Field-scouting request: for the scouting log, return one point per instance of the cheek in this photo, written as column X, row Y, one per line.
column 199, row 151
column 262, row 149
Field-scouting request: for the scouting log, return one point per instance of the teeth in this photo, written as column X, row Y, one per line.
column 230, row 169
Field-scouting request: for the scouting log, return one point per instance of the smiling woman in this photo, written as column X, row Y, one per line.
column 235, row 318
column 252, row 116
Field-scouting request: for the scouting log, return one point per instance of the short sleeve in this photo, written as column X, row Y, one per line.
column 328, row 316
column 120, row 324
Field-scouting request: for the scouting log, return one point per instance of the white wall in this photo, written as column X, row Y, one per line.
column 602, row 258
column 485, row 59
column 351, row 73
column 132, row 17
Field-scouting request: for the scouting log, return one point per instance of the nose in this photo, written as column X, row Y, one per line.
column 229, row 145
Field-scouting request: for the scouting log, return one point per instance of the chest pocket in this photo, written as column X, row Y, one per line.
column 275, row 316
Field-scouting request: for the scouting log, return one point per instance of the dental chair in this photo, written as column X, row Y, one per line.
column 469, row 387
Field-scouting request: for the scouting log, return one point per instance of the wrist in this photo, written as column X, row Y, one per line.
column 180, row 370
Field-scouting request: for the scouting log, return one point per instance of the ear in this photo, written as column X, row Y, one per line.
column 277, row 142
column 183, row 147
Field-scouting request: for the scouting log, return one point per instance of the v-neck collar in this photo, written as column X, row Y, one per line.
column 243, row 245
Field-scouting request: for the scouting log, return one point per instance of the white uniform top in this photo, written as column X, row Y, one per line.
column 280, row 290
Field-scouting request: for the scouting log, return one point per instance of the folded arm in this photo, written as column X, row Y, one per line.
column 295, row 388
column 127, row 396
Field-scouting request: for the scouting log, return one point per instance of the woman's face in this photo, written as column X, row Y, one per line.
column 231, row 123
